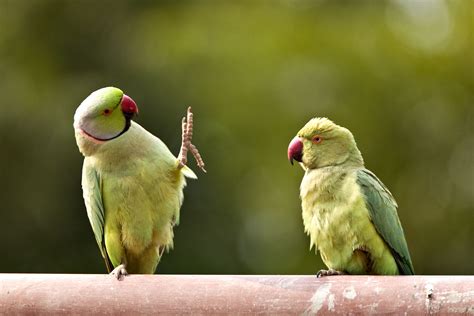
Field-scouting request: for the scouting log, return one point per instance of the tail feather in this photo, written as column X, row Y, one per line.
column 188, row 173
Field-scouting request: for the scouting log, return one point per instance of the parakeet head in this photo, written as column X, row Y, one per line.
column 321, row 143
column 105, row 114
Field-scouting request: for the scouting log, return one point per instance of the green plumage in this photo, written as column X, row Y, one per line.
column 132, row 184
column 92, row 192
column 350, row 216
column 383, row 213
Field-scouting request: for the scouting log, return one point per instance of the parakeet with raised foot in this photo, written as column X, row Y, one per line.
column 349, row 214
column 132, row 184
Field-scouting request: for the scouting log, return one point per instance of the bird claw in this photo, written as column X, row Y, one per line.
column 119, row 272
column 186, row 142
column 322, row 273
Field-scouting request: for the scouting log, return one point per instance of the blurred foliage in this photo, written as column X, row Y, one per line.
column 399, row 74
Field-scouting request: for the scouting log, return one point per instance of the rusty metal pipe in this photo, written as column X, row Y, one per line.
column 51, row 294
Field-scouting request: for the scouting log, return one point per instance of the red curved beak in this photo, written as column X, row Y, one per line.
column 129, row 107
column 295, row 150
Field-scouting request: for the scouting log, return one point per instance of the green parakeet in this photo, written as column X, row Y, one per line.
column 132, row 184
column 349, row 214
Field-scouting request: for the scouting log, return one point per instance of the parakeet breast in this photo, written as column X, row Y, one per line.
column 338, row 222
column 143, row 207
column 142, row 191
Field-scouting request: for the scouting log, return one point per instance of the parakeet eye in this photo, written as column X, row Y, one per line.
column 106, row 111
column 317, row 139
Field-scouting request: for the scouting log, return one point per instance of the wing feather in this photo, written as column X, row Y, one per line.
column 383, row 212
column 92, row 192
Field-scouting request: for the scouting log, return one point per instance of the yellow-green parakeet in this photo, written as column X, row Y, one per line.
column 349, row 214
column 132, row 184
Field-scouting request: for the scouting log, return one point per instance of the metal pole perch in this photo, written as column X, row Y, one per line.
column 51, row 294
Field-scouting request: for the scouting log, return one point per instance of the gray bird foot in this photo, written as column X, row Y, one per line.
column 186, row 142
column 119, row 272
column 323, row 273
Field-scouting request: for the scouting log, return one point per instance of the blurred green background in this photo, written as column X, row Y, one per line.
column 398, row 74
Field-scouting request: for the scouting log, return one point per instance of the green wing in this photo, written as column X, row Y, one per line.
column 383, row 212
column 92, row 190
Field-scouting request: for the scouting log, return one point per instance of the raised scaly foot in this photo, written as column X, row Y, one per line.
column 186, row 142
